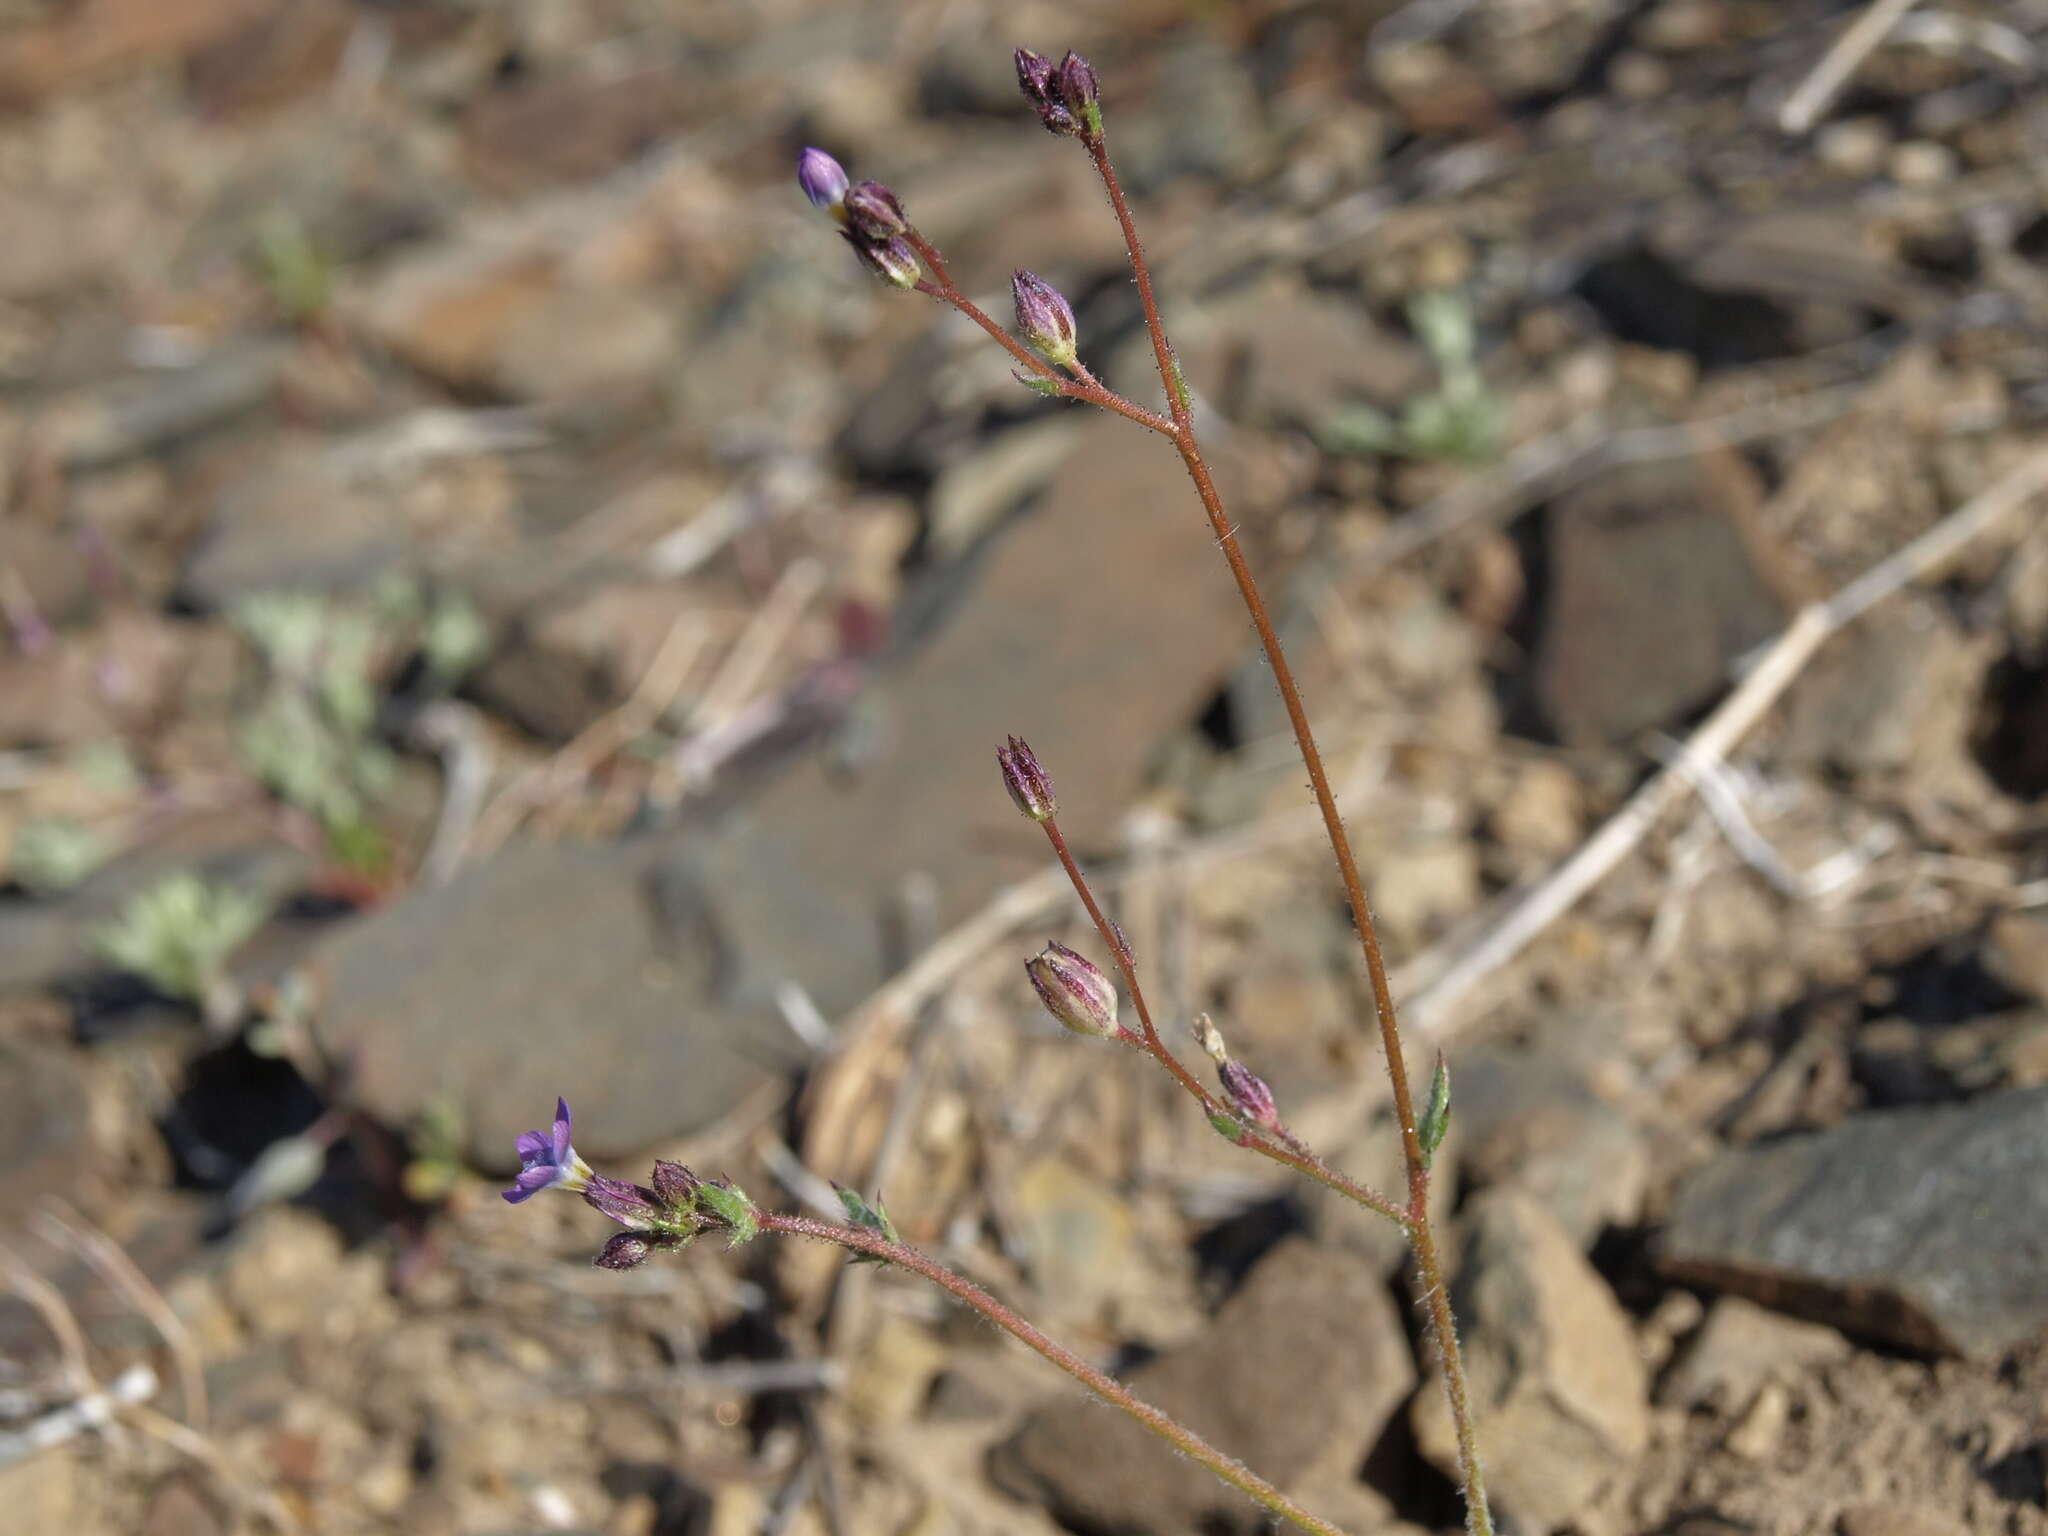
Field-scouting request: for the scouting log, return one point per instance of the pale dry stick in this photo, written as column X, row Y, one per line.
column 93, row 1410
column 119, row 1271
column 454, row 732
column 1722, row 730
column 1812, row 96
column 50, row 1305
column 764, row 637
column 1714, row 781
column 1575, row 452
column 578, row 758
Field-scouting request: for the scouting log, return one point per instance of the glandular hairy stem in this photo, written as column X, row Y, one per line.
column 874, row 1244
column 1430, row 1277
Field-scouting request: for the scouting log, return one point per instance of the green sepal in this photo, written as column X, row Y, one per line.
column 735, row 1212
column 872, row 1217
column 1436, row 1114
column 1230, row 1130
column 1040, row 386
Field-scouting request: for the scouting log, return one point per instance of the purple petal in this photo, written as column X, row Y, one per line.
column 531, row 1181
column 561, row 1131
column 822, row 178
column 533, row 1146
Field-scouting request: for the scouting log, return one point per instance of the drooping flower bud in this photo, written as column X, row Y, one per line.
column 874, row 211
column 1075, row 991
column 1038, row 79
column 1045, row 318
column 893, row 261
column 626, row 1250
column 1030, row 786
column 1249, row 1095
column 1078, row 92
column 822, row 178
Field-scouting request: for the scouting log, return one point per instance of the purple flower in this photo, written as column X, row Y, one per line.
column 1030, row 786
column 1038, row 79
column 1075, row 991
column 548, row 1161
column 1045, row 318
column 875, row 211
column 1248, row 1091
column 627, row 1204
column 823, row 179
column 893, row 261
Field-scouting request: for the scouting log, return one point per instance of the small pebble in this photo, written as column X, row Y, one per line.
column 1854, row 147
column 1921, row 163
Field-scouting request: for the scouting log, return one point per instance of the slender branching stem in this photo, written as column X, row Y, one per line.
column 1421, row 1237
column 1286, row 1148
column 1086, row 388
column 868, row 1241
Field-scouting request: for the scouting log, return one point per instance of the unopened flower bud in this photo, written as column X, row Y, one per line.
column 1210, row 1039
column 874, row 211
column 822, row 178
column 1075, row 991
column 1077, row 90
column 1045, row 318
column 1030, row 786
column 893, row 261
column 1039, row 81
column 1250, row 1095
column 626, row 1250
column 627, row 1204
column 675, row 1186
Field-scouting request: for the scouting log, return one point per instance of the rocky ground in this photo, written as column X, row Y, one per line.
column 497, row 605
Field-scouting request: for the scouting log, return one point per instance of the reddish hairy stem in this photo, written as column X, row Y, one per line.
column 1087, row 388
column 864, row 1240
column 1290, row 1150
column 1421, row 1237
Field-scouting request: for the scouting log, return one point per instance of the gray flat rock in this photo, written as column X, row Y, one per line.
column 1296, row 1378
column 1653, row 595
column 585, row 972
column 1924, row 1227
column 1557, row 1384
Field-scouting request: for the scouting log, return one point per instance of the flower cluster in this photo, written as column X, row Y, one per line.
column 666, row 1212
column 1063, row 94
column 871, row 218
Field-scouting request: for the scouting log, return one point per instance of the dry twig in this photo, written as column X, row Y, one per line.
column 1431, row 1010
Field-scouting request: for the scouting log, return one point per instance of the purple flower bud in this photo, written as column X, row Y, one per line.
column 547, row 1161
column 1249, row 1093
column 1075, row 991
column 1045, row 318
column 822, row 178
column 874, row 211
column 1077, row 90
column 1030, row 786
column 627, row 1204
column 626, row 1250
column 893, row 261
column 1039, row 82
column 675, row 1186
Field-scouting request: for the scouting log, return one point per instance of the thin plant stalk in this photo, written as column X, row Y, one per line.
column 1421, row 1235
column 874, row 1244
column 1290, row 1151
